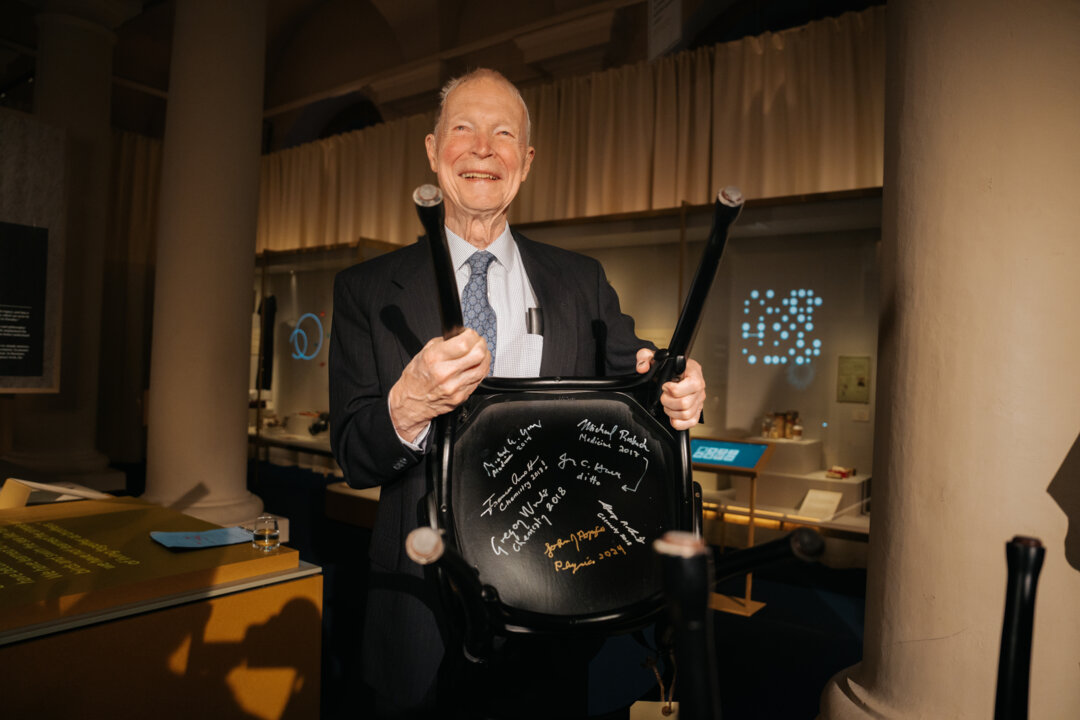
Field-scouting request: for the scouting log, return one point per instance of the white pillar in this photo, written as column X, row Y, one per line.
column 73, row 89
column 979, row 399
column 197, row 438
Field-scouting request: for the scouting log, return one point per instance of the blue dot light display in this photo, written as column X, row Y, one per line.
column 777, row 328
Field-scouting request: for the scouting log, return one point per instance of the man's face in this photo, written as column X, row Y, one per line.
column 480, row 154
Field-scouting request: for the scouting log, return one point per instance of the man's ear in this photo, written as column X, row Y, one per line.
column 432, row 153
column 529, row 154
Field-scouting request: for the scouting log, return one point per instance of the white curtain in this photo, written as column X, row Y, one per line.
column 348, row 187
column 128, row 297
column 794, row 112
column 803, row 110
column 799, row 111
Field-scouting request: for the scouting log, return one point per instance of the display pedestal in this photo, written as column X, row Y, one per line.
column 795, row 456
column 743, row 459
column 97, row 618
column 788, row 490
column 735, row 605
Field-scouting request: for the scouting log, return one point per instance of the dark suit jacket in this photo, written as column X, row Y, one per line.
column 384, row 311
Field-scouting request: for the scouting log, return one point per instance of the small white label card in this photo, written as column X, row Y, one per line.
column 653, row 710
column 820, row 504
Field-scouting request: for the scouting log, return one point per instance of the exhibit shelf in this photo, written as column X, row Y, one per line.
column 827, row 212
column 849, row 523
column 320, row 444
column 788, row 490
column 820, row 476
column 287, row 450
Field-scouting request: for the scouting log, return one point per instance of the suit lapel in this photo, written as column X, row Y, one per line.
column 560, row 338
column 412, row 289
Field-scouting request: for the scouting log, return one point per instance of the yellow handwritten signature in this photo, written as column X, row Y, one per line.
column 573, row 567
column 576, row 538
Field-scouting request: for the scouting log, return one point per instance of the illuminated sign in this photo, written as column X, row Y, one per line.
column 725, row 453
column 299, row 338
column 779, row 329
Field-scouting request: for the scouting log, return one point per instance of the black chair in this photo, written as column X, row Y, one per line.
column 1024, row 557
column 546, row 494
column 689, row 575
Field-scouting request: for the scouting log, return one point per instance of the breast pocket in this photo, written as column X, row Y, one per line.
column 533, row 352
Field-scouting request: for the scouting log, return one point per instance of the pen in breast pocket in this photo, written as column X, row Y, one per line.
column 534, row 321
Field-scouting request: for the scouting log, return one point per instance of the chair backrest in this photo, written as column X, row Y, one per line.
column 555, row 496
column 554, row 490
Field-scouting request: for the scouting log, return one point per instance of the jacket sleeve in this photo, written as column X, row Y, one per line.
column 622, row 343
column 362, row 435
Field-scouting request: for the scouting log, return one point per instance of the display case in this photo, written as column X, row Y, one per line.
column 790, row 324
column 290, row 345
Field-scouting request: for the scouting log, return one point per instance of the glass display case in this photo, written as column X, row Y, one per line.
column 290, row 344
column 788, row 331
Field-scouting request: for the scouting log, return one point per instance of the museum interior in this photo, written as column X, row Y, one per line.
column 182, row 180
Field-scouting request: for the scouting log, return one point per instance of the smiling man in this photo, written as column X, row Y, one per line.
column 481, row 154
column 386, row 384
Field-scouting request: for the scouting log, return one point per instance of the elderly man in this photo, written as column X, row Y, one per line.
column 386, row 386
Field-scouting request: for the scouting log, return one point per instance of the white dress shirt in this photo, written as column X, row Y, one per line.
column 517, row 351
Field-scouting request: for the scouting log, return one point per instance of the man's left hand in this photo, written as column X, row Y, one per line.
column 683, row 399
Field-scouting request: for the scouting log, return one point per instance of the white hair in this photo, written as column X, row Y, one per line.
column 479, row 74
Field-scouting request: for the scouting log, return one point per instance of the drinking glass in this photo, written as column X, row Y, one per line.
column 266, row 536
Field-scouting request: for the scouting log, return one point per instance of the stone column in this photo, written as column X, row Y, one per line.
column 978, row 398
column 197, row 437
column 72, row 90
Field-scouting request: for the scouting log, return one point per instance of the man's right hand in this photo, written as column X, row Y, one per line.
column 438, row 379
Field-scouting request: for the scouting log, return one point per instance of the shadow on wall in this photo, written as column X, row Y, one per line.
column 1065, row 489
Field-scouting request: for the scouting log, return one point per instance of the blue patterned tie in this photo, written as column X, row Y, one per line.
column 475, row 309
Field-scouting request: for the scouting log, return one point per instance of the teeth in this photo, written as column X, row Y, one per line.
column 481, row 176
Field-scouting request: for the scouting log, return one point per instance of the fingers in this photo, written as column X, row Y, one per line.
column 458, row 347
column 683, row 400
column 438, row 379
column 442, row 360
column 644, row 360
column 449, row 370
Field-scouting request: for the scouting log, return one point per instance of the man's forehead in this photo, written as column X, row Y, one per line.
column 489, row 91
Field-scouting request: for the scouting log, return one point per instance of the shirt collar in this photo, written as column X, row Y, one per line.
column 502, row 248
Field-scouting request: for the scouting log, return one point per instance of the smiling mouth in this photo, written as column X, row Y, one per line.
column 478, row 176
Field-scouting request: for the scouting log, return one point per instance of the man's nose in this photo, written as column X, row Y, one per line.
column 482, row 145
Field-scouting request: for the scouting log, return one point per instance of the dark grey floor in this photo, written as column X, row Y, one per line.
column 772, row 666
